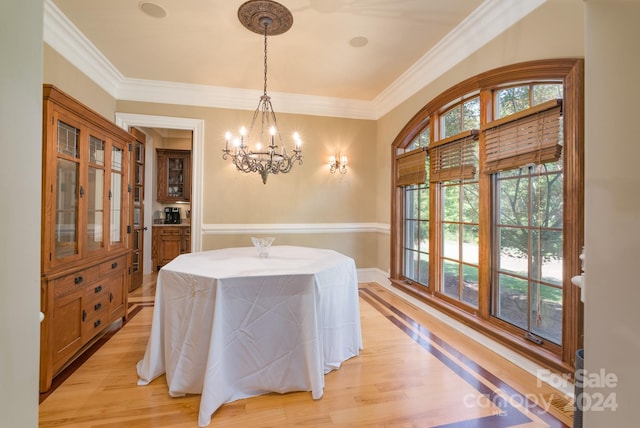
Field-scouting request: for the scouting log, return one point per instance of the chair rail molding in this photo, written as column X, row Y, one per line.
column 303, row 228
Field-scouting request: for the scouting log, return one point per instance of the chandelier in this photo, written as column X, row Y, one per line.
column 265, row 157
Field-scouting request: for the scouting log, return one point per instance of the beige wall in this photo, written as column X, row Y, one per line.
column 309, row 194
column 360, row 246
column 612, row 207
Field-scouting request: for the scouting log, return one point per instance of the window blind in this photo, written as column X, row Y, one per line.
column 529, row 136
column 455, row 158
column 411, row 167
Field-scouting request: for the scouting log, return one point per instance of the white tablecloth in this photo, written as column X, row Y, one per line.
column 228, row 324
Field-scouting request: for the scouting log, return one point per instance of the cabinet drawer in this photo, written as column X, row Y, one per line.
column 171, row 231
column 72, row 282
column 113, row 266
column 96, row 291
column 96, row 308
column 94, row 325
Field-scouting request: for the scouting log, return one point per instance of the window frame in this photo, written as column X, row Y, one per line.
column 569, row 71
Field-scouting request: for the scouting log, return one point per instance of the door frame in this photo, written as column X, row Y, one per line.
column 125, row 120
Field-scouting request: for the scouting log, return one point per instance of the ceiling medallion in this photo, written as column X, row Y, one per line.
column 253, row 13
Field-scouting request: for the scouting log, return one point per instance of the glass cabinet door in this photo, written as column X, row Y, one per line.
column 94, row 194
column 67, row 182
column 116, row 195
column 175, row 182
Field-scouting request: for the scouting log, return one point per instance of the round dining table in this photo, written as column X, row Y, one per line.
column 229, row 324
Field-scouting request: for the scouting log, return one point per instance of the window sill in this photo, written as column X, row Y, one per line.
column 516, row 343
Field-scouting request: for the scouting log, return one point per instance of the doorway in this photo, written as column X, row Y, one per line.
column 196, row 126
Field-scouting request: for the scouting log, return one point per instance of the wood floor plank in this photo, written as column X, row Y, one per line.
column 414, row 371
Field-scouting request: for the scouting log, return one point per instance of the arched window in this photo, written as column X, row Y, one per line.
column 487, row 208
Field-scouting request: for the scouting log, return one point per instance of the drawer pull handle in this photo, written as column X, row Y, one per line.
column 84, row 315
column 114, row 265
column 78, row 279
column 97, row 306
column 98, row 289
column 110, row 297
column 96, row 323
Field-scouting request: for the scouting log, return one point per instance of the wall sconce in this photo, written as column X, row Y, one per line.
column 338, row 163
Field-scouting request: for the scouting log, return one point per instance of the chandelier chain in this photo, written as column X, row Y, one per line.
column 266, row 26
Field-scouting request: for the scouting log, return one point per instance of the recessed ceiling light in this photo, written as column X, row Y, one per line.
column 358, row 42
column 153, row 10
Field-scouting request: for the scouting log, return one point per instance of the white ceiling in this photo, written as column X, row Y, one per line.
column 201, row 51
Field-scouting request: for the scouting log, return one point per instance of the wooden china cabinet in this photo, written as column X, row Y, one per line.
column 86, row 256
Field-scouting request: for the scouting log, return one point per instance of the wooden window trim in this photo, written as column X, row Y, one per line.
column 570, row 71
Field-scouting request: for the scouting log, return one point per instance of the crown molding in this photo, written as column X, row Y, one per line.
column 63, row 36
column 234, row 98
column 490, row 19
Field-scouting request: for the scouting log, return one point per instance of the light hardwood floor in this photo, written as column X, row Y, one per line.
column 414, row 371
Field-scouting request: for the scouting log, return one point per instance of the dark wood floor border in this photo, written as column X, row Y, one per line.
column 133, row 310
column 511, row 416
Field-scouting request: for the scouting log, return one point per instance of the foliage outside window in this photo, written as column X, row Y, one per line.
column 527, row 277
column 416, row 239
column 421, row 141
column 517, row 98
column 462, row 117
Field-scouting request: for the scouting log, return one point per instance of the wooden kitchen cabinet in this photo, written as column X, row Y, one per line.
column 174, row 175
column 86, row 249
column 168, row 242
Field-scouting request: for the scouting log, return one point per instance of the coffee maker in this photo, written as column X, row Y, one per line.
column 171, row 215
